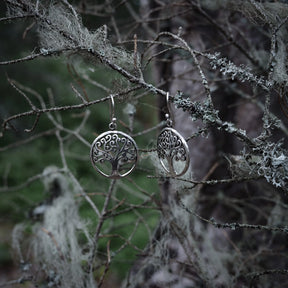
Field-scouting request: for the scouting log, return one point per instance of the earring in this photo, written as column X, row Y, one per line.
column 114, row 154
column 172, row 148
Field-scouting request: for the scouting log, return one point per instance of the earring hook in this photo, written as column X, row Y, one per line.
column 169, row 116
column 113, row 119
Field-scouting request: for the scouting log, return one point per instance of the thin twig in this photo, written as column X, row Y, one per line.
column 232, row 226
column 100, row 224
column 50, row 234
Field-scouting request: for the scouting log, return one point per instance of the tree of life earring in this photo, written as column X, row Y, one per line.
column 172, row 148
column 114, row 154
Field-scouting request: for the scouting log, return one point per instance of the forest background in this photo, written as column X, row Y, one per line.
column 222, row 223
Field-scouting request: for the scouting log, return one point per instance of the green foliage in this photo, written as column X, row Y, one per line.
column 91, row 224
column 24, row 161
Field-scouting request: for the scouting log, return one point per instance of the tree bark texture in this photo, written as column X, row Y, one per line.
column 197, row 254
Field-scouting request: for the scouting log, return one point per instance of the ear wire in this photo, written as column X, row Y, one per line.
column 113, row 119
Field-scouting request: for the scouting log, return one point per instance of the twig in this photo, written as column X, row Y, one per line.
column 28, row 140
column 72, row 177
column 27, row 183
column 27, row 30
column 256, row 275
column 52, row 109
column 34, row 124
column 197, row 63
column 84, row 101
column 77, row 79
column 12, row 83
column 198, row 111
column 21, row 280
column 11, row 18
column 34, row 56
column 232, row 226
column 223, row 31
column 54, row 241
column 210, row 182
column 106, row 265
column 100, row 224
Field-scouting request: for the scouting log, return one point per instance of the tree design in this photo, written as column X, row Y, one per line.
column 116, row 149
column 172, row 148
column 224, row 63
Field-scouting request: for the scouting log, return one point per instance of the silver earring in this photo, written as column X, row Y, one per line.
column 172, row 148
column 114, row 154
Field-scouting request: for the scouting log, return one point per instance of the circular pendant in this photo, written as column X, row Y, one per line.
column 114, row 154
column 173, row 152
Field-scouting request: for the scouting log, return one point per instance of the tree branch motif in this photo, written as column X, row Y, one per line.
column 172, row 148
column 117, row 149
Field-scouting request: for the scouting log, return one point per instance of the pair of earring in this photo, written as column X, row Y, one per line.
column 114, row 154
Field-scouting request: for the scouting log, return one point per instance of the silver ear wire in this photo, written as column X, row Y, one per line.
column 169, row 115
column 114, row 154
column 113, row 119
column 112, row 107
column 172, row 148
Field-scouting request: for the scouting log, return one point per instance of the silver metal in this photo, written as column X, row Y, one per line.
column 172, row 148
column 168, row 103
column 113, row 119
column 169, row 115
column 114, row 154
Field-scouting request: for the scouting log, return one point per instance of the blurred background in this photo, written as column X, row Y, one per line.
column 24, row 155
column 224, row 62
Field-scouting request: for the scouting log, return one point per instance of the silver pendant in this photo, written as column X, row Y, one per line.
column 173, row 152
column 172, row 149
column 114, row 154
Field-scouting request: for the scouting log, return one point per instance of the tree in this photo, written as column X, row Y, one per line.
column 223, row 222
